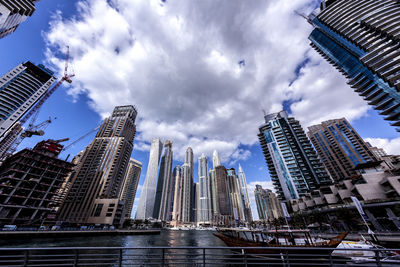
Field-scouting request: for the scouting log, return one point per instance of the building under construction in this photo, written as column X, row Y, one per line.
column 29, row 183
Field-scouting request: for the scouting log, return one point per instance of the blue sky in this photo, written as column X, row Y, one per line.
column 183, row 77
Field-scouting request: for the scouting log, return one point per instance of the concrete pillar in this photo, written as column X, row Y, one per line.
column 373, row 220
column 393, row 217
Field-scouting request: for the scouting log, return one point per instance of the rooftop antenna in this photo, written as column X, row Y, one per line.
column 303, row 16
column 265, row 113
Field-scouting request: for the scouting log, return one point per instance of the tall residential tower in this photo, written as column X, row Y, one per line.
column 145, row 208
column 204, row 214
column 96, row 192
column 340, row 147
column 293, row 164
column 361, row 39
column 14, row 12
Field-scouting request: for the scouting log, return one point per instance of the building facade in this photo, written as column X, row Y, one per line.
column 360, row 39
column 204, row 211
column 95, row 195
column 244, row 195
column 235, row 196
column 178, row 196
column 30, row 181
column 222, row 192
column 145, row 208
column 268, row 205
column 20, row 90
column 13, row 13
column 293, row 164
column 164, row 193
column 129, row 188
column 339, row 147
column 187, row 197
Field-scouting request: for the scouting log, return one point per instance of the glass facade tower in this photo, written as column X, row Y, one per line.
column 340, row 147
column 204, row 212
column 145, row 208
column 293, row 164
column 361, row 39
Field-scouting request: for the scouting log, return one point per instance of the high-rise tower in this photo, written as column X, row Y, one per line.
column 178, row 195
column 131, row 181
column 204, row 214
column 222, row 192
column 187, row 197
column 244, row 195
column 268, row 205
column 235, row 196
column 20, row 89
column 361, row 39
column 293, row 164
column 339, row 147
column 14, row 12
column 216, row 159
column 95, row 195
column 164, row 192
column 145, row 208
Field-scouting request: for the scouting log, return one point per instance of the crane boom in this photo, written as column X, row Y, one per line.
column 80, row 138
column 34, row 111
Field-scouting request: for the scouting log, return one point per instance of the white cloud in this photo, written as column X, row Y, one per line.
column 391, row 147
column 250, row 189
column 178, row 63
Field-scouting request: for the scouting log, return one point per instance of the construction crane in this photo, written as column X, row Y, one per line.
column 33, row 129
column 80, row 138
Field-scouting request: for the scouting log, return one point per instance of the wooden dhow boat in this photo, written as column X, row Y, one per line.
column 264, row 241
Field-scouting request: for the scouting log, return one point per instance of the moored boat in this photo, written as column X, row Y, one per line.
column 266, row 242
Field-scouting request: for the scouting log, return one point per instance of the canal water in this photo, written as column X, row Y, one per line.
column 137, row 257
column 168, row 238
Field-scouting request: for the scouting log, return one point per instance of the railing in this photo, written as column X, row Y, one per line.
column 197, row 256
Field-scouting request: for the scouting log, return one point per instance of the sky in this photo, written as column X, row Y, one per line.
column 199, row 72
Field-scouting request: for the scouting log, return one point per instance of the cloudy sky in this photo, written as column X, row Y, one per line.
column 199, row 72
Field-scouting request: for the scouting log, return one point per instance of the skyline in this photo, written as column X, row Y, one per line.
column 243, row 153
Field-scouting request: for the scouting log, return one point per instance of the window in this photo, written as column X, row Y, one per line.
column 98, row 210
column 108, row 214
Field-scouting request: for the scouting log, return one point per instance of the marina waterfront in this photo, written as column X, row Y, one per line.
column 166, row 238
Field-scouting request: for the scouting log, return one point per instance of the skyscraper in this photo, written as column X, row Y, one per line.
column 129, row 188
column 213, row 195
column 95, row 195
column 268, row 205
column 204, row 214
column 187, row 197
column 216, row 159
column 145, row 208
column 178, row 195
column 339, row 147
column 20, row 89
column 14, row 12
column 235, row 196
column 293, row 164
column 244, row 195
column 164, row 194
column 222, row 190
column 360, row 38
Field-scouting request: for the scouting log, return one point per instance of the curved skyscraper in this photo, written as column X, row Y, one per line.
column 244, row 195
column 361, row 39
column 164, row 184
column 145, row 208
